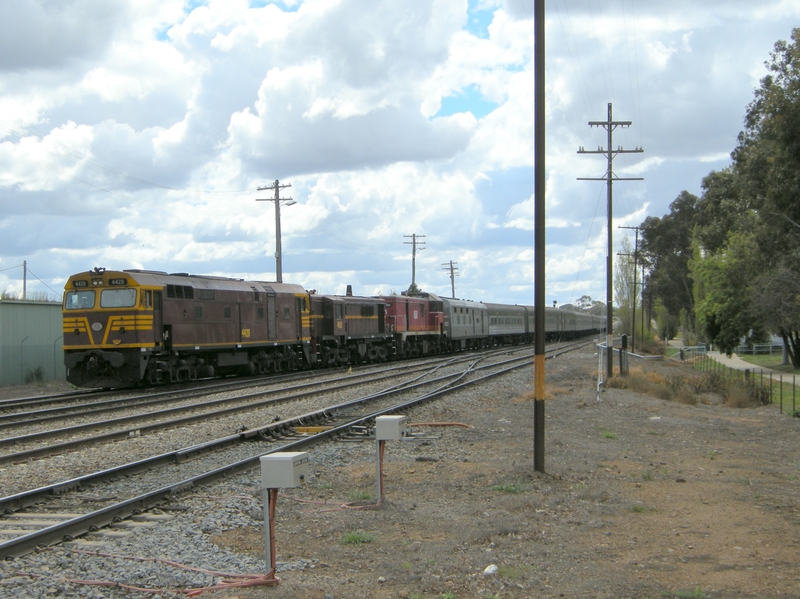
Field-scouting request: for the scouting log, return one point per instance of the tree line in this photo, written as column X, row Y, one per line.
column 726, row 265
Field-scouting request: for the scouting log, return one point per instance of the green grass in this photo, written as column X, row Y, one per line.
column 360, row 495
column 769, row 361
column 357, row 537
column 639, row 509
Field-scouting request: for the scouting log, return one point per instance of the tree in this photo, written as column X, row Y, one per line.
column 721, row 209
column 767, row 157
column 666, row 249
column 624, row 296
column 583, row 303
column 766, row 169
column 722, row 290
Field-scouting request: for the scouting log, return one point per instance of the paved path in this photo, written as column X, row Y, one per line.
column 736, row 362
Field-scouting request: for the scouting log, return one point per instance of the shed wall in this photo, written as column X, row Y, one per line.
column 30, row 339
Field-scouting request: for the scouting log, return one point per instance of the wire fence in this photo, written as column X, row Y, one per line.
column 767, row 387
column 760, row 350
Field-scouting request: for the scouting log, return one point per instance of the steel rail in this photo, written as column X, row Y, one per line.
column 143, row 429
column 87, row 522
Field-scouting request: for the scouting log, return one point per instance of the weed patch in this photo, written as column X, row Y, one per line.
column 357, row 537
column 686, row 388
column 35, row 375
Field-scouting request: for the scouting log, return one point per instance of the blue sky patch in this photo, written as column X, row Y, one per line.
column 283, row 5
column 469, row 99
column 479, row 20
column 504, row 189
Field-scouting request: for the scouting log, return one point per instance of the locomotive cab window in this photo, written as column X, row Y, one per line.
column 117, row 298
column 227, row 312
column 286, row 312
column 79, row 300
column 146, row 299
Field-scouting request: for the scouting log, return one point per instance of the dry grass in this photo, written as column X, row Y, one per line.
column 685, row 389
column 549, row 393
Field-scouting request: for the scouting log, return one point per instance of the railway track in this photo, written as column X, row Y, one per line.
column 139, row 423
column 56, row 512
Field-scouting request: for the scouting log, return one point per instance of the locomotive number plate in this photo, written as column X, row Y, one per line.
column 118, row 282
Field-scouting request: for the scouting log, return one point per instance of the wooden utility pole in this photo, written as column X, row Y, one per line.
column 635, row 271
column 289, row 202
column 451, row 266
column 414, row 243
column 539, row 189
column 609, row 125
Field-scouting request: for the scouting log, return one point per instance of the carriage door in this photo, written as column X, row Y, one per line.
column 298, row 308
column 381, row 318
column 272, row 317
column 158, row 321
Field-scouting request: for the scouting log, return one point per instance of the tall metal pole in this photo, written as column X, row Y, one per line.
column 289, row 202
column 539, row 188
column 609, row 178
column 24, row 279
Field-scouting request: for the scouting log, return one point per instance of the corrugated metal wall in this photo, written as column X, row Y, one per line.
column 30, row 339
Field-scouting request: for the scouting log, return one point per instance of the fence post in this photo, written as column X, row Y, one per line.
column 792, row 395
column 780, row 378
column 770, row 386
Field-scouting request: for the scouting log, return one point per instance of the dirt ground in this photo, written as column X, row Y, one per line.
column 642, row 498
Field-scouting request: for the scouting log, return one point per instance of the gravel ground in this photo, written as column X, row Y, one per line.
column 642, row 498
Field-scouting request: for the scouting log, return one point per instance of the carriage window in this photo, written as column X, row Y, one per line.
column 227, row 311
column 117, row 298
column 79, row 300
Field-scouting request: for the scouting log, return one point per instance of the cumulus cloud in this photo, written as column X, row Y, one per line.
column 134, row 133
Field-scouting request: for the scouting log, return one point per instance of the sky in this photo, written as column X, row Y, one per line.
column 136, row 133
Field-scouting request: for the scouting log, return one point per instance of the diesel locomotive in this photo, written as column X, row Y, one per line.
column 140, row 327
